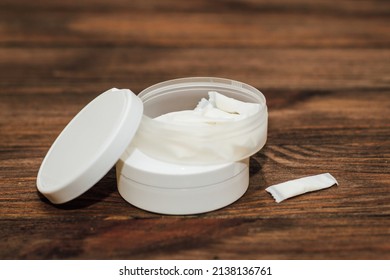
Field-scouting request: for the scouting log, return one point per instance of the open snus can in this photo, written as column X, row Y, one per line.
column 162, row 167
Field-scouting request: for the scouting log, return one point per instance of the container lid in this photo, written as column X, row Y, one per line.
column 90, row 145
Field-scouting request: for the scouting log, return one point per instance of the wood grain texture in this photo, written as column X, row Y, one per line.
column 325, row 72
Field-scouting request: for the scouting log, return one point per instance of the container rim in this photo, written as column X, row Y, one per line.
column 189, row 82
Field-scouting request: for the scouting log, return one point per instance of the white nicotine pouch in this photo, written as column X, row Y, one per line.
column 300, row 186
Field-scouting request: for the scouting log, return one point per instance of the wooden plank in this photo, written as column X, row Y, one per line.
column 188, row 238
column 94, row 70
column 202, row 24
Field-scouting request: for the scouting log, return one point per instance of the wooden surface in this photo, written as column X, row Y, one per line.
column 323, row 66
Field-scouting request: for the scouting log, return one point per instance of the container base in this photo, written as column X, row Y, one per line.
column 184, row 201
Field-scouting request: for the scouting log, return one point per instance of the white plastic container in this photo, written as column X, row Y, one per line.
column 174, row 169
column 162, row 168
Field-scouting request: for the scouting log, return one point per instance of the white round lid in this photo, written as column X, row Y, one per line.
column 90, row 145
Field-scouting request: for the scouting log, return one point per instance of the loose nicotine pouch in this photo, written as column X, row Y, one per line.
column 160, row 167
column 300, row 186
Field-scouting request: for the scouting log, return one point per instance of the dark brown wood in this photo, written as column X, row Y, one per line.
column 325, row 72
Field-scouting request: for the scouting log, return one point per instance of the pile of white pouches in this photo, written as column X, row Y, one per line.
column 218, row 130
column 217, row 109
